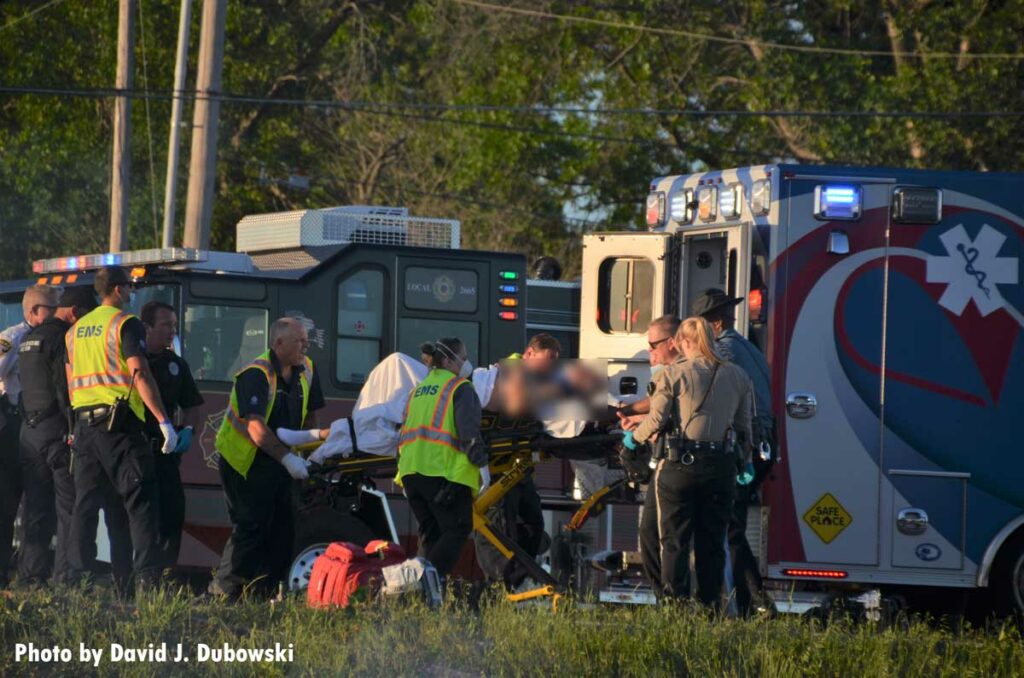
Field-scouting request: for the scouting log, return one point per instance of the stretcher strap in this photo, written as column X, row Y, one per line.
column 352, row 435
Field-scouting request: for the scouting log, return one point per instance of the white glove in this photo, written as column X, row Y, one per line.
column 298, row 468
column 170, row 437
column 293, row 438
column 320, row 455
column 485, row 478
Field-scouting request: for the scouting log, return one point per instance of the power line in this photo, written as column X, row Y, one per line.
column 395, row 108
column 812, row 49
column 37, row 10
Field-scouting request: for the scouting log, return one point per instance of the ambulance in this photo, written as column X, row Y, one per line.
column 890, row 307
column 365, row 281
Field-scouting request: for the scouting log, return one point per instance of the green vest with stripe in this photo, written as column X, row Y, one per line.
column 233, row 441
column 429, row 441
column 99, row 373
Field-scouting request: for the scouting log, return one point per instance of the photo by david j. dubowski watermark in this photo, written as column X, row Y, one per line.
column 153, row 653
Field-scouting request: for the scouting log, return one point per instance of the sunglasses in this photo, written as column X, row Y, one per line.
column 655, row 344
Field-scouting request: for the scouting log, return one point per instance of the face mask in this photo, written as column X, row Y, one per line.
column 466, row 370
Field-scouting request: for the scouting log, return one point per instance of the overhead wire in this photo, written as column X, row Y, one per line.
column 709, row 37
column 29, row 15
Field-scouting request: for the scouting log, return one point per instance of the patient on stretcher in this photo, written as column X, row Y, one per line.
column 506, row 388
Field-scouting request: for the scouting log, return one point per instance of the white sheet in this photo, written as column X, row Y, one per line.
column 380, row 409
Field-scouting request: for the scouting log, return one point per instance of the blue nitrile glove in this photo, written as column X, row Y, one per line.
column 184, row 440
column 746, row 476
column 628, row 441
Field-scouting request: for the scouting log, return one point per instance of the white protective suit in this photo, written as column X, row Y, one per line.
column 379, row 411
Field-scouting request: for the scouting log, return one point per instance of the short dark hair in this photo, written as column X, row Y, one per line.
column 150, row 310
column 109, row 277
column 545, row 342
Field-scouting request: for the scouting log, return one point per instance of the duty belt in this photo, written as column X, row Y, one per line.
column 716, row 446
column 93, row 415
column 34, row 417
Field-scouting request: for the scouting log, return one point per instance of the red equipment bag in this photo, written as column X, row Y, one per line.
column 346, row 568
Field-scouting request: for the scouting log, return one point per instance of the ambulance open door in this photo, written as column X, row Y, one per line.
column 624, row 287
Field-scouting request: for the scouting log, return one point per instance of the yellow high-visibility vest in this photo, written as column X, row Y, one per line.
column 429, row 444
column 99, row 373
column 233, row 441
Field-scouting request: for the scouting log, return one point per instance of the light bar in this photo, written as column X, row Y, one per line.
column 679, row 206
column 166, row 255
column 707, row 203
column 655, row 209
column 761, row 197
column 837, row 202
column 730, row 201
column 822, row 574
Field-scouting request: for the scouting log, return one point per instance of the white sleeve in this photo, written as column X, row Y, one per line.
column 10, row 339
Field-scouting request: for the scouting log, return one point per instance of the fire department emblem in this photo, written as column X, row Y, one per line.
column 443, row 289
column 208, row 439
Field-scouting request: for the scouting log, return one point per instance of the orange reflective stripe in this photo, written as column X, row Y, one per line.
column 426, row 433
column 442, row 401
column 236, row 422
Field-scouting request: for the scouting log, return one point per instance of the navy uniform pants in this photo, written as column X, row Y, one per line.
column 49, row 492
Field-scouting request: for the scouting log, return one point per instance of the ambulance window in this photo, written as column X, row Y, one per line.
column 625, row 295
column 220, row 340
column 360, row 325
column 414, row 331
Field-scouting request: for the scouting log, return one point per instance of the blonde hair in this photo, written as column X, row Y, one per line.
column 698, row 331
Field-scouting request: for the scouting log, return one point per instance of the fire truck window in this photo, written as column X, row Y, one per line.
column 220, row 340
column 147, row 293
column 10, row 312
column 360, row 325
column 625, row 295
column 414, row 331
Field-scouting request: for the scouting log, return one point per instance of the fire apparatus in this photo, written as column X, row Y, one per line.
column 366, row 281
column 890, row 307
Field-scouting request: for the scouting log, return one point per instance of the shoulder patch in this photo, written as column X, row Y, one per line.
column 5, row 345
column 172, row 367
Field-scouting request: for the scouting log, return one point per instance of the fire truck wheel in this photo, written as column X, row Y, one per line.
column 1007, row 579
column 312, row 539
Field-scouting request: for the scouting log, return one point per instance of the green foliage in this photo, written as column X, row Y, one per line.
column 518, row 180
column 397, row 638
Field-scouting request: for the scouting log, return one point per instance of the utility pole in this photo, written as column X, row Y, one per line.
column 202, row 164
column 122, row 127
column 180, row 72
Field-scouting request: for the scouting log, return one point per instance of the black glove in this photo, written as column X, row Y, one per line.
column 636, row 463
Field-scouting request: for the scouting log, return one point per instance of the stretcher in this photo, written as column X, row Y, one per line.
column 514, row 449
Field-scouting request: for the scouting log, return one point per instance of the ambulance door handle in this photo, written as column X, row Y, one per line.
column 912, row 521
column 801, row 405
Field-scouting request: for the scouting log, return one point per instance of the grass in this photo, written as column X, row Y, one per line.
column 396, row 638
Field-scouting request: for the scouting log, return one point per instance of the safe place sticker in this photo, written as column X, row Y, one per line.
column 827, row 518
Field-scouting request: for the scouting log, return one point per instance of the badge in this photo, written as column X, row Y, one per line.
column 254, row 400
column 173, row 369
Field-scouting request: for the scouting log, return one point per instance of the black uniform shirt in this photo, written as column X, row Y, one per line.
column 41, row 358
column 133, row 338
column 176, row 385
column 252, row 391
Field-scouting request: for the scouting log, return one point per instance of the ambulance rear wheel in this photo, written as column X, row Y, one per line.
column 1007, row 578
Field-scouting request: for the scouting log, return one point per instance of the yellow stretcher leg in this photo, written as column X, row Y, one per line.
column 542, row 592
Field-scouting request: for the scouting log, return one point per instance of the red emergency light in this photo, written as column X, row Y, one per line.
column 755, row 304
column 821, row 574
column 508, row 315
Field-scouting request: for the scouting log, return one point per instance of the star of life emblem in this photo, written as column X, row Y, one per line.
column 972, row 270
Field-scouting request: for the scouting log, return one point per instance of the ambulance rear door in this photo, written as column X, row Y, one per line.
column 625, row 287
